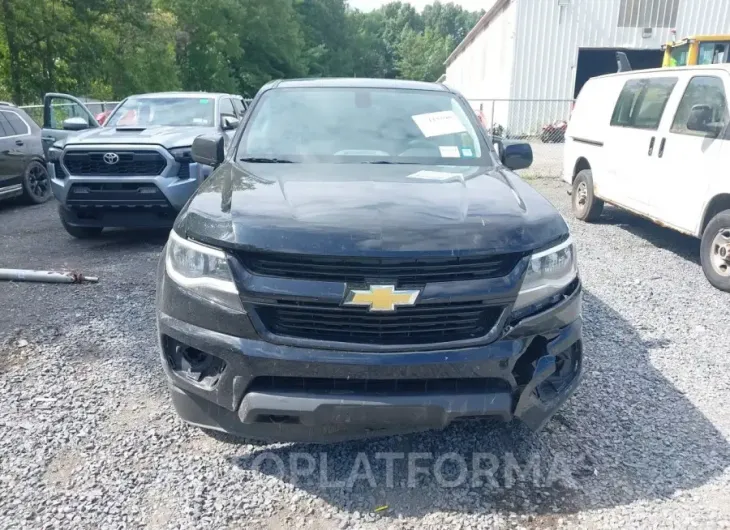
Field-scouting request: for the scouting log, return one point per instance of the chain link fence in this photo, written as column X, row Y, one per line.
column 541, row 122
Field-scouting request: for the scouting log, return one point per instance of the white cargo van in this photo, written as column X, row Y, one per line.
column 657, row 143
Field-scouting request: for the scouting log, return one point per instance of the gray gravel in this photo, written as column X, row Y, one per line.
column 88, row 438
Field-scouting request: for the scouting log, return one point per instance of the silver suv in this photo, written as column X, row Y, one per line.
column 135, row 171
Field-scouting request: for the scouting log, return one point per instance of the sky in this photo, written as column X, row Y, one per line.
column 367, row 5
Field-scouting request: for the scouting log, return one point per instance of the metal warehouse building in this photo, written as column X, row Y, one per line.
column 525, row 60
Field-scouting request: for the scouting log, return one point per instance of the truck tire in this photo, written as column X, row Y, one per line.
column 36, row 183
column 715, row 251
column 82, row 232
column 586, row 206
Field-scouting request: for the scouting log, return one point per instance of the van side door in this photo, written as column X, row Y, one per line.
column 632, row 141
column 691, row 167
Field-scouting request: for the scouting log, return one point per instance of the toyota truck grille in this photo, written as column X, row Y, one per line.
column 420, row 324
column 128, row 163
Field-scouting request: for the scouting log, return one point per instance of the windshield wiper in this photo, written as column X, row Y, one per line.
column 388, row 162
column 260, row 160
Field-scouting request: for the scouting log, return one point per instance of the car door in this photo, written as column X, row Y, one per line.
column 239, row 106
column 57, row 109
column 690, row 161
column 632, row 141
column 227, row 111
column 620, row 145
column 13, row 152
column 6, row 171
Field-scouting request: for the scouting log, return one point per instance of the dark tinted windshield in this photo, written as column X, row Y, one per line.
column 173, row 111
column 362, row 125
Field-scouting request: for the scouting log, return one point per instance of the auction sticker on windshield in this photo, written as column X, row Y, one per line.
column 435, row 175
column 449, row 151
column 439, row 123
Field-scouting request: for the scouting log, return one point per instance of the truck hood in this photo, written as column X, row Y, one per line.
column 160, row 135
column 366, row 209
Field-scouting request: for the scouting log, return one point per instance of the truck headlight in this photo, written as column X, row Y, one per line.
column 183, row 155
column 203, row 270
column 54, row 154
column 548, row 273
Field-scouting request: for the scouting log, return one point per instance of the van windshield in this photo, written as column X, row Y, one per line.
column 345, row 125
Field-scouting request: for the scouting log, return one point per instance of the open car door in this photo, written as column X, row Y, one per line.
column 64, row 115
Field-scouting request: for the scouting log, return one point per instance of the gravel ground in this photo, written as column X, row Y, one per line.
column 88, row 438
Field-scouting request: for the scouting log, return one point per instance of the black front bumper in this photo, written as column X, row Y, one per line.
column 117, row 205
column 263, row 390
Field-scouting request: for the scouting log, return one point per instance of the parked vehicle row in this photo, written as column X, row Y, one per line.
column 357, row 257
column 657, row 143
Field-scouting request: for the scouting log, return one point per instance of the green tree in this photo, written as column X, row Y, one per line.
column 327, row 36
column 450, row 19
column 398, row 18
column 112, row 48
column 422, row 56
column 237, row 45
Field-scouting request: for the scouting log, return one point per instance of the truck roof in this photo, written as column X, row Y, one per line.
column 356, row 82
column 181, row 94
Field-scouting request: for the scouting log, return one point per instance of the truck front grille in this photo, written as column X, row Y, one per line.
column 365, row 269
column 116, row 195
column 130, row 163
column 420, row 324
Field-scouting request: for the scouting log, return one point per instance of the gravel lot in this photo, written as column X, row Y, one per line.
column 88, row 438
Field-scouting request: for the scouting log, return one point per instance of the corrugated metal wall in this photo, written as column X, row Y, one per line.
column 484, row 70
column 530, row 50
column 549, row 34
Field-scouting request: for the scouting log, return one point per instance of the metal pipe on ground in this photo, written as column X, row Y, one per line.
column 20, row 275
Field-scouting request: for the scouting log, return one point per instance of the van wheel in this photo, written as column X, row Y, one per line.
column 586, row 206
column 715, row 251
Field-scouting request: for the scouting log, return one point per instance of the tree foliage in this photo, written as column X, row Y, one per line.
column 108, row 49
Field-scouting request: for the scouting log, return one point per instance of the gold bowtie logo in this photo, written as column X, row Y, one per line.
column 381, row 297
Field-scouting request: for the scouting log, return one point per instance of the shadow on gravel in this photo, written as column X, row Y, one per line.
column 11, row 205
column 121, row 241
column 627, row 435
column 682, row 245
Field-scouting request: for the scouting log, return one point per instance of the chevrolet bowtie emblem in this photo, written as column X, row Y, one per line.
column 381, row 297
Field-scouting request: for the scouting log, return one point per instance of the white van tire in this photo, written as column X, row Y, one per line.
column 586, row 206
column 715, row 251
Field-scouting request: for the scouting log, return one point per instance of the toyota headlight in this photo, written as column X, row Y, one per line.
column 203, row 270
column 184, row 155
column 54, row 154
column 548, row 274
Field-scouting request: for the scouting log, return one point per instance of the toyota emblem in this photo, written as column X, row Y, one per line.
column 111, row 158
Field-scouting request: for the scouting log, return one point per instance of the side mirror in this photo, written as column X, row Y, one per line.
column 229, row 122
column 75, row 124
column 516, row 155
column 209, row 149
column 498, row 148
column 700, row 120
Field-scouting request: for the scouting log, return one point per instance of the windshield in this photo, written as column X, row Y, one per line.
column 344, row 125
column 174, row 111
